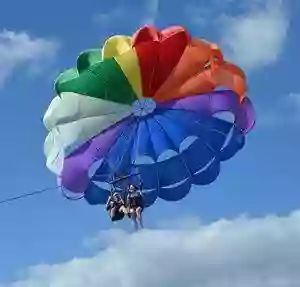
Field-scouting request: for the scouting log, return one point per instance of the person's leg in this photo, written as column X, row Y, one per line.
column 112, row 212
column 133, row 218
column 139, row 216
column 123, row 209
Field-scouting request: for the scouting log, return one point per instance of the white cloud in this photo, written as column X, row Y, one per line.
column 201, row 15
column 256, row 38
column 18, row 49
column 285, row 111
column 238, row 253
column 104, row 238
column 198, row 16
column 252, row 33
column 294, row 101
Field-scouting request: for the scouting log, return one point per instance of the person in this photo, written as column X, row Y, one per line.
column 116, row 207
column 135, row 205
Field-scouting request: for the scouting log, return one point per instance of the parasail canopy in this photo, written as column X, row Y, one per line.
column 146, row 105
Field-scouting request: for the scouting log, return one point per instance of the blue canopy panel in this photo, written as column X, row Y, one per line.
column 96, row 194
column 170, row 177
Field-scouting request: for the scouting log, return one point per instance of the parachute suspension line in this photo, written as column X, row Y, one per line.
column 135, row 154
column 131, row 174
column 114, row 167
column 115, row 141
column 32, row 193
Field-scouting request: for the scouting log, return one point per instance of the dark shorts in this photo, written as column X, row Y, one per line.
column 116, row 214
column 136, row 202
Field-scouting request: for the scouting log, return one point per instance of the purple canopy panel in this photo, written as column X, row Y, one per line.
column 74, row 175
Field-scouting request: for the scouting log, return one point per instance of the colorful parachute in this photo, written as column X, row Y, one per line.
column 146, row 105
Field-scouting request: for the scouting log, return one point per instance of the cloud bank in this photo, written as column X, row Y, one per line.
column 256, row 38
column 243, row 252
column 253, row 34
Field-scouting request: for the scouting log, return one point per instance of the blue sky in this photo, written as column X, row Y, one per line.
column 38, row 39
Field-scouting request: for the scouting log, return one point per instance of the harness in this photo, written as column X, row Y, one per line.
column 116, row 201
column 135, row 200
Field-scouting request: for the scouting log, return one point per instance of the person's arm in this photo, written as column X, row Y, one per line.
column 108, row 201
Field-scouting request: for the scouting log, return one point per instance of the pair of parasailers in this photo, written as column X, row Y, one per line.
column 132, row 206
